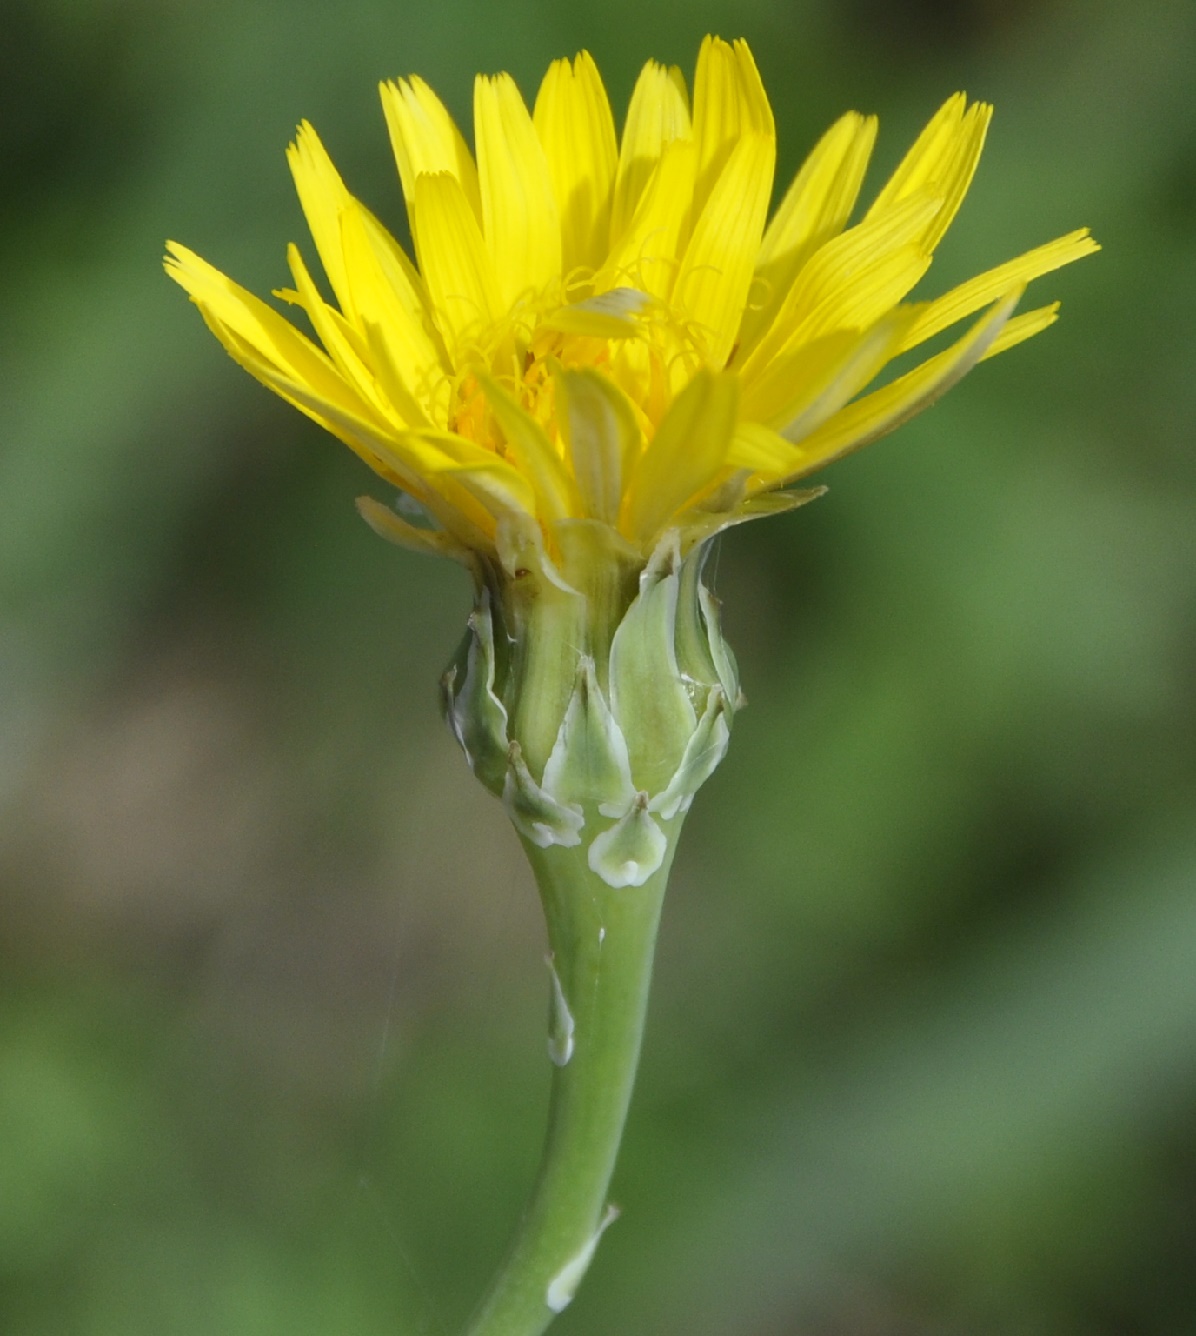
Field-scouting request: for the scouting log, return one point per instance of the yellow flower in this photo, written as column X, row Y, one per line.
column 613, row 330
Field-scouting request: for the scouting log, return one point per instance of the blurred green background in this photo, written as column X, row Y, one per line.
column 922, row 1057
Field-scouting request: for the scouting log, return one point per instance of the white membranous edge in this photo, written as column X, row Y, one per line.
column 561, row 1026
column 476, row 716
column 703, row 754
column 630, row 851
column 563, row 1286
column 534, row 813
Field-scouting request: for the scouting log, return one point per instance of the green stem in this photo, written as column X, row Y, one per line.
column 602, row 941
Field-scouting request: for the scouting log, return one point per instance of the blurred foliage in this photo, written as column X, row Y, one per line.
column 271, row 1007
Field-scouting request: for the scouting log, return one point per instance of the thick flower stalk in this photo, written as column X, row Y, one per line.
column 604, row 354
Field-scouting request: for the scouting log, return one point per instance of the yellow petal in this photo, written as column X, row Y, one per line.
column 602, row 436
column 729, row 102
column 407, row 282
column 389, row 311
column 348, row 420
column 574, row 122
column 685, row 456
column 798, row 392
column 519, row 212
column 386, row 524
column 645, row 257
column 386, row 301
column 820, row 199
column 425, row 139
column 387, row 450
column 968, row 297
column 658, row 114
column 941, row 162
column 464, row 484
column 885, row 409
column 876, row 290
column 424, row 360
column 335, row 408
column 344, row 343
column 500, row 489
column 815, row 209
column 715, row 274
column 1021, row 328
column 923, row 162
column 852, row 280
column 960, row 170
column 453, row 259
column 254, row 333
column 762, row 451
column 325, row 199
column 446, row 450
column 431, row 460
column 529, row 447
column 322, row 194
column 609, row 315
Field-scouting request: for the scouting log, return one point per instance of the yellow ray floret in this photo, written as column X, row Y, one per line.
column 574, row 122
column 608, row 329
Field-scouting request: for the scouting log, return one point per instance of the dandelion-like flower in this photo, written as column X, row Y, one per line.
column 604, row 354
column 613, row 330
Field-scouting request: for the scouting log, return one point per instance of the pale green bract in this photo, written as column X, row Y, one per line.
column 646, row 722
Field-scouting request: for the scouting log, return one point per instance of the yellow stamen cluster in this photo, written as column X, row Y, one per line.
column 613, row 330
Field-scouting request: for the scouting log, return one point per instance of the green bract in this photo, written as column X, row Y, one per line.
column 593, row 696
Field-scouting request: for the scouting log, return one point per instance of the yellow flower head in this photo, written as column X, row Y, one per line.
column 612, row 330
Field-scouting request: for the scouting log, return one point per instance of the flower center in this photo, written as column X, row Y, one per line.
column 648, row 351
